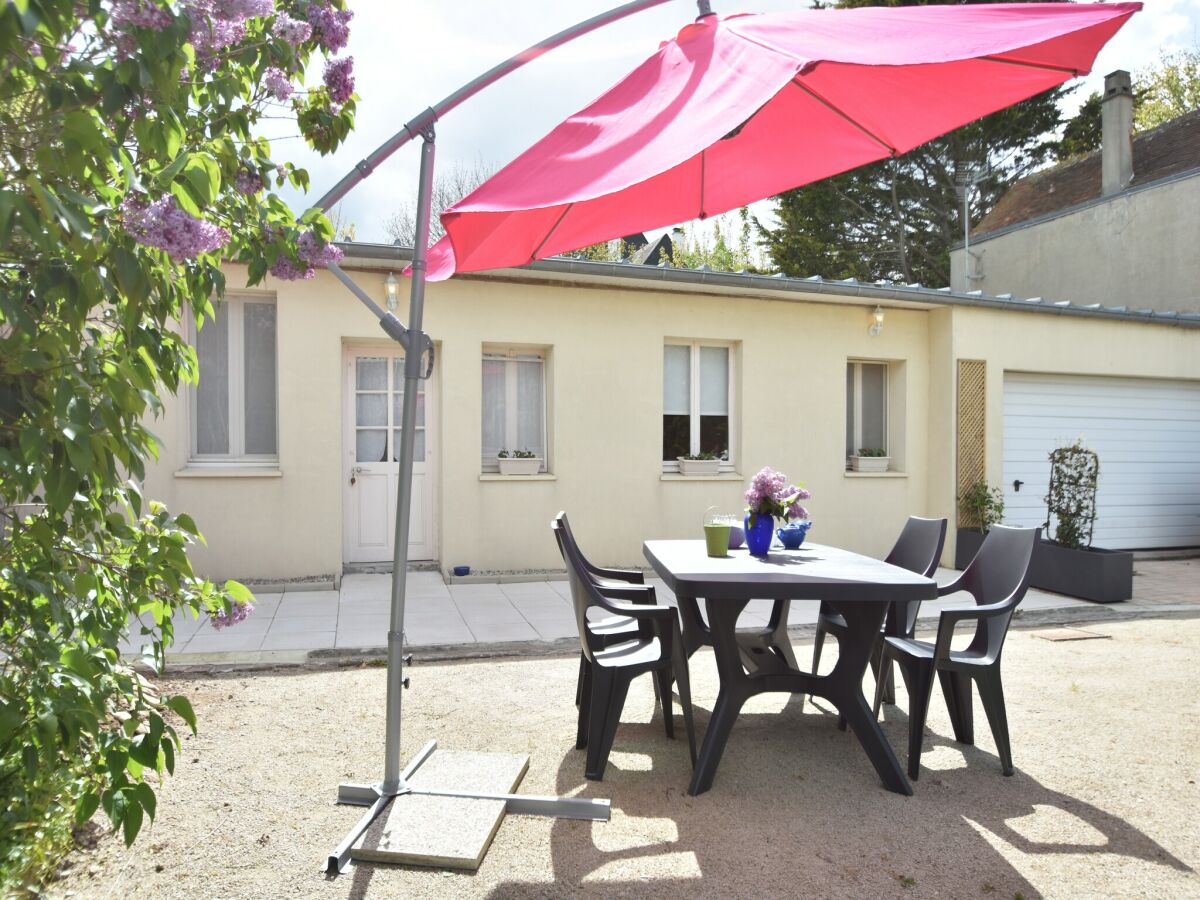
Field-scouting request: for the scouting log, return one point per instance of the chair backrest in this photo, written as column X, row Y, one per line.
column 999, row 573
column 918, row 549
column 583, row 592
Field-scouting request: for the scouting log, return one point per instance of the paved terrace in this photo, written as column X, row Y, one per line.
column 473, row 619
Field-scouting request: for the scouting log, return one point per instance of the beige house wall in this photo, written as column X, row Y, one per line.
column 604, row 376
column 1137, row 249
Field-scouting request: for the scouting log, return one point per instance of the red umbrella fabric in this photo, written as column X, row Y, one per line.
column 740, row 108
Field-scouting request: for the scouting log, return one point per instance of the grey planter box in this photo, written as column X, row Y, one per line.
column 1096, row 574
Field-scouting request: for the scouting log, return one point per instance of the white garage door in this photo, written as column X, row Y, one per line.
column 1147, row 434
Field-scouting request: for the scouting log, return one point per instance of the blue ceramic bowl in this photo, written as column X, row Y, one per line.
column 460, row 571
column 737, row 537
column 792, row 535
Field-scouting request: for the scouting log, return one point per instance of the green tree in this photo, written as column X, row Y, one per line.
column 1168, row 89
column 897, row 219
column 129, row 169
column 719, row 249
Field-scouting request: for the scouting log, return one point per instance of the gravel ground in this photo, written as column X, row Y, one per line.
column 1104, row 801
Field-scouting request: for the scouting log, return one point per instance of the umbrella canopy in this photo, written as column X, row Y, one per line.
column 743, row 107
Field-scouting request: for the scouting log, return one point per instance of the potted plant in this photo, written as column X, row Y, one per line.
column 518, row 462
column 770, row 497
column 870, row 459
column 1065, row 561
column 980, row 507
column 703, row 463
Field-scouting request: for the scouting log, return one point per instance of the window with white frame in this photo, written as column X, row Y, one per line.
column 866, row 407
column 233, row 408
column 514, row 404
column 697, row 402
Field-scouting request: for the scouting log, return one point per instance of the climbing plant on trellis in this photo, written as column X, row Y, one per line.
column 1071, row 502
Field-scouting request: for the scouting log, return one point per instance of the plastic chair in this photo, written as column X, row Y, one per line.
column 618, row 584
column 656, row 646
column 997, row 578
column 918, row 549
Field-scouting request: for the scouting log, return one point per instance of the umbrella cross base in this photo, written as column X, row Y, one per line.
column 446, row 810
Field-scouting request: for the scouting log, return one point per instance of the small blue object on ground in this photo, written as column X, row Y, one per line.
column 460, row 571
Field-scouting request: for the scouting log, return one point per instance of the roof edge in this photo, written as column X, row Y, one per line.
column 850, row 288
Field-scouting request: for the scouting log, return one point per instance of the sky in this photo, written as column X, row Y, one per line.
column 409, row 55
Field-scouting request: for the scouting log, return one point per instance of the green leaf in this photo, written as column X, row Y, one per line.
column 85, row 807
column 145, row 796
column 238, row 592
column 174, row 168
column 183, row 708
column 131, row 823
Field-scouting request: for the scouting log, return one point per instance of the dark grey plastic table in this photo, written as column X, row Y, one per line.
column 858, row 587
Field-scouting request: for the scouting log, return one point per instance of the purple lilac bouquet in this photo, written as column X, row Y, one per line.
column 771, row 495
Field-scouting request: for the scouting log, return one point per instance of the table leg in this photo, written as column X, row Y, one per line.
column 735, row 689
column 843, row 688
column 695, row 634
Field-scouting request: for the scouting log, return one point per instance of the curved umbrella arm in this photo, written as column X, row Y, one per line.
column 423, row 120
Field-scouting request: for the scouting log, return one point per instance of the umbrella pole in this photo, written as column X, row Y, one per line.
column 395, row 782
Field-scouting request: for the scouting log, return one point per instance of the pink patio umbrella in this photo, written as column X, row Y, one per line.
column 742, row 107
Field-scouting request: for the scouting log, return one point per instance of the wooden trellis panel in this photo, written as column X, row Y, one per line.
column 972, row 429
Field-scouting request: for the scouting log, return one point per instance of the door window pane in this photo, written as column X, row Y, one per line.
column 418, row 445
column 258, row 344
column 398, row 406
column 371, row 374
column 371, row 445
column 371, row 409
column 212, row 392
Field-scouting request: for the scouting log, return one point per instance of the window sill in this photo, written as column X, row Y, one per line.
column 875, row 474
column 229, row 472
column 721, row 476
column 496, row 476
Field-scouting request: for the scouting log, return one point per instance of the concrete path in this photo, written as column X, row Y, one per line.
column 288, row 627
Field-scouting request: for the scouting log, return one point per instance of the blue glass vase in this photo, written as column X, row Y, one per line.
column 758, row 535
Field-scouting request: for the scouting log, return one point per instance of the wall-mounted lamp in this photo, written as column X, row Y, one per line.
column 876, row 322
column 391, row 286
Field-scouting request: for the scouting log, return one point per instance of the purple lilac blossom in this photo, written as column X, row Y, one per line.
column 162, row 224
column 310, row 249
column 239, row 612
column 286, row 270
column 277, row 83
column 331, row 27
column 339, row 79
column 128, row 14
column 239, row 10
column 248, row 182
column 291, row 30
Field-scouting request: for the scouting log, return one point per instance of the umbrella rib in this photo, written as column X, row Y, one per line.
column 1030, row 65
column 703, row 214
column 534, row 255
column 876, row 138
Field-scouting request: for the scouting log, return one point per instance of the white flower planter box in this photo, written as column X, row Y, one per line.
column 870, row 463
column 520, row 466
column 698, row 466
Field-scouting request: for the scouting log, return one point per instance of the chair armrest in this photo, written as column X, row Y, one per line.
column 950, row 617
column 636, row 593
column 630, row 576
column 952, row 588
column 639, row 610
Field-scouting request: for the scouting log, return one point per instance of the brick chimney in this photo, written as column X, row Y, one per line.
column 1116, row 135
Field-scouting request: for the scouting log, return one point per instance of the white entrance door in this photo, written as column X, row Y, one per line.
column 1146, row 433
column 374, row 396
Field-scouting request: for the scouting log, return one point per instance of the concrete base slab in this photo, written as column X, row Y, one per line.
column 1068, row 634
column 444, row 832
